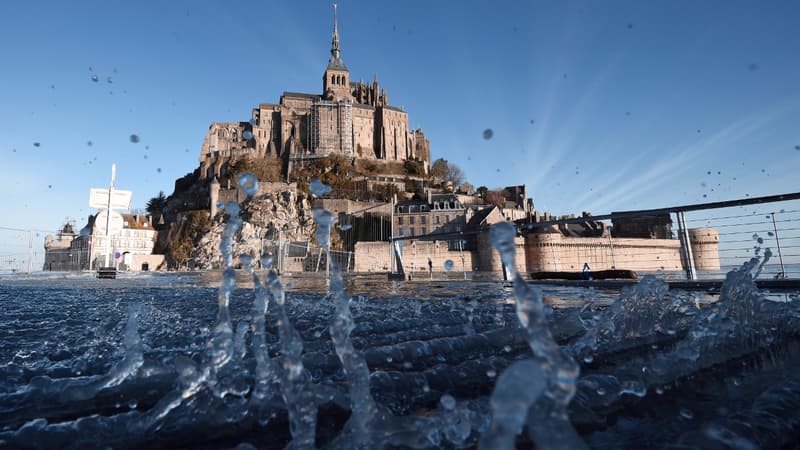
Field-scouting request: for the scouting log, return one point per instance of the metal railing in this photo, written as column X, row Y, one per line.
column 697, row 241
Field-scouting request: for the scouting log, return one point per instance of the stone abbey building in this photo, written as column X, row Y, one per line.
column 352, row 119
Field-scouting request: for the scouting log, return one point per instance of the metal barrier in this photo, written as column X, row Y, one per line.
column 22, row 250
column 292, row 257
column 694, row 242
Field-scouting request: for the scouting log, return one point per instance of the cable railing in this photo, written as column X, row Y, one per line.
column 694, row 242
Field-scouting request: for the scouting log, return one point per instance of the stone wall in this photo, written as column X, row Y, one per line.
column 552, row 252
column 375, row 257
column 489, row 258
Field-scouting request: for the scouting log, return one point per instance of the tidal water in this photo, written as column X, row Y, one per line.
column 147, row 360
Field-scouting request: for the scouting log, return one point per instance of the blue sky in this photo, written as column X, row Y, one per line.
column 598, row 106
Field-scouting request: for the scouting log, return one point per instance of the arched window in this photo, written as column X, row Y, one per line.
column 333, row 79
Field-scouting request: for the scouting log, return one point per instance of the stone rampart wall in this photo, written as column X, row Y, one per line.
column 375, row 257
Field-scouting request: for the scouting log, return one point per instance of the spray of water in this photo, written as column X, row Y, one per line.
column 544, row 408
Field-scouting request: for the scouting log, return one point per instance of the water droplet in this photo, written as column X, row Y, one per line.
column 448, row 265
column 345, row 227
column 797, row 147
column 132, row 404
column 145, row 156
column 317, row 334
column 50, row 186
column 95, row 78
column 491, row 373
column 245, row 260
column 705, row 195
column 752, row 67
column 770, row 233
column 266, row 261
column 659, row 390
column 488, row 133
column 448, row 402
column 158, row 170
column 36, row 144
column 249, row 184
column 318, row 188
column 588, row 359
column 507, row 348
column 426, row 388
column 755, row 236
column 108, row 80
column 687, row 414
column 247, row 135
column 134, row 138
column 389, row 359
column 601, row 391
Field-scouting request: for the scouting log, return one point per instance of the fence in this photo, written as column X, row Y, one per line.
column 295, row 257
column 700, row 241
column 21, row 250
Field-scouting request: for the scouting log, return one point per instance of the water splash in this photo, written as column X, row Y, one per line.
column 546, row 412
column 318, row 188
column 249, row 184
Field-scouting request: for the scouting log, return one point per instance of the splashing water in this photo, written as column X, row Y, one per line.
column 318, row 188
column 547, row 422
column 405, row 372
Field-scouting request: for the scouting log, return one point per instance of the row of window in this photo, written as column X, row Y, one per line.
column 338, row 79
column 423, row 219
column 436, row 206
column 411, row 231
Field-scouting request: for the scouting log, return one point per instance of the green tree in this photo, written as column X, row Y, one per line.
column 156, row 204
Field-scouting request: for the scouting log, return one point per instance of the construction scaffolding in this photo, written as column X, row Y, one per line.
column 331, row 128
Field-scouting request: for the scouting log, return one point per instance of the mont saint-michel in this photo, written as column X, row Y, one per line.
column 383, row 187
column 351, row 119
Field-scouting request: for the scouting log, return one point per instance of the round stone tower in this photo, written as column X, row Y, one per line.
column 705, row 248
column 213, row 191
column 489, row 259
column 539, row 251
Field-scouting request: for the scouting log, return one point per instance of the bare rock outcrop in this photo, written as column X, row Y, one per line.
column 277, row 210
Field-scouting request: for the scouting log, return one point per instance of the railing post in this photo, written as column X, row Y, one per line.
column 778, row 243
column 686, row 245
column 611, row 244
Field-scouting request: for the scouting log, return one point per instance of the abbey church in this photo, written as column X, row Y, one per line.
column 352, row 119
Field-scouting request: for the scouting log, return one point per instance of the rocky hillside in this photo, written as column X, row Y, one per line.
column 276, row 209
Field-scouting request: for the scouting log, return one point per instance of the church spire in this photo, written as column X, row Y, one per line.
column 335, row 40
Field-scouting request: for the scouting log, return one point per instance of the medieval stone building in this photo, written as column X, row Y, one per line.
column 352, row 119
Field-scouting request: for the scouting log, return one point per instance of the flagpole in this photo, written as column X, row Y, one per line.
column 108, row 213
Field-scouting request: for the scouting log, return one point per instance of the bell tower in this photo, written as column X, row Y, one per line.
column 336, row 81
